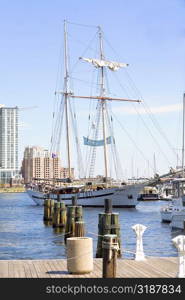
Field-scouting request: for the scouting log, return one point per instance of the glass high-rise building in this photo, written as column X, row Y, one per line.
column 8, row 143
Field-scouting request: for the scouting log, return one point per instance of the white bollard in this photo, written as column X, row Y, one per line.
column 139, row 230
column 179, row 242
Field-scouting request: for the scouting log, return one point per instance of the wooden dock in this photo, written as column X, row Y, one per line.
column 57, row 268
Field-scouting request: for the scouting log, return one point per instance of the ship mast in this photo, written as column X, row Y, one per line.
column 66, row 96
column 103, row 102
column 101, row 63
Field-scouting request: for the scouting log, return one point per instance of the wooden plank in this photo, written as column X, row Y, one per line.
column 97, row 271
column 42, row 265
column 32, row 269
column 27, row 269
column 38, row 269
column 166, row 268
column 55, row 272
column 149, row 269
column 57, row 268
column 14, row 269
column 137, row 272
column 123, row 270
column 11, row 273
column 21, row 269
column 61, row 268
column 4, row 269
column 63, row 264
column 51, row 268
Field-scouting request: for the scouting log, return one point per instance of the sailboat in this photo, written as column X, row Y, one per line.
column 174, row 213
column 88, row 192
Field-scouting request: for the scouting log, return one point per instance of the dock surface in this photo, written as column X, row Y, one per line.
column 57, row 268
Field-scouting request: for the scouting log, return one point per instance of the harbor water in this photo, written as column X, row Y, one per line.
column 23, row 234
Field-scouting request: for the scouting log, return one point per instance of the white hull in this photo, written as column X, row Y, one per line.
column 126, row 196
column 168, row 211
column 166, row 216
column 178, row 219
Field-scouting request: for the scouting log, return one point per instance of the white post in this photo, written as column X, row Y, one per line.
column 139, row 230
column 179, row 242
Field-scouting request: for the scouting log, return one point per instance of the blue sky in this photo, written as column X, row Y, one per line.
column 149, row 35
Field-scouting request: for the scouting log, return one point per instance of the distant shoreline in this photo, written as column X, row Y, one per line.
column 12, row 190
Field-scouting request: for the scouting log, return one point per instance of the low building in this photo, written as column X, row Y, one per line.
column 64, row 173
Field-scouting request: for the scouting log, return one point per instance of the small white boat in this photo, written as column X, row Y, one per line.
column 173, row 213
column 178, row 219
column 168, row 211
column 166, row 191
column 149, row 193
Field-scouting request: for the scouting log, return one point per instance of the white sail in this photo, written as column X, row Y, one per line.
column 98, row 63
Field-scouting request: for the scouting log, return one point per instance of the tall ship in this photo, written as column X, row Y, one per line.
column 89, row 189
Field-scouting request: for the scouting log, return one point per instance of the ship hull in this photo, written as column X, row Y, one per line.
column 166, row 216
column 178, row 220
column 125, row 196
column 148, row 197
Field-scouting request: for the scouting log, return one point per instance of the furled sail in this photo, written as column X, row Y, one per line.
column 97, row 143
column 98, row 63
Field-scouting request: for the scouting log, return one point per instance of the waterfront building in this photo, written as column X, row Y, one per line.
column 38, row 163
column 64, row 173
column 8, row 144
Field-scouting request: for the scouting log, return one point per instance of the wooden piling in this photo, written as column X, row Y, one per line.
column 108, row 224
column 78, row 213
column 59, row 214
column 104, row 227
column 79, row 229
column 74, row 200
column 45, row 210
column 63, row 214
column 70, row 225
column 58, row 197
column 48, row 209
column 109, row 246
column 52, row 203
column 100, row 236
column 115, row 229
column 75, row 227
column 79, row 223
column 47, row 223
column 61, row 231
column 56, row 215
column 108, row 206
